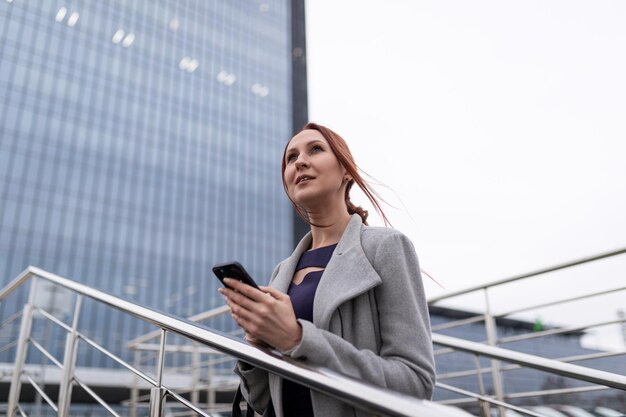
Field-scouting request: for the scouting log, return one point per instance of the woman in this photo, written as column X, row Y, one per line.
column 349, row 298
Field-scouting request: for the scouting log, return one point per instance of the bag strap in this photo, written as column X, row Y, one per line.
column 236, row 412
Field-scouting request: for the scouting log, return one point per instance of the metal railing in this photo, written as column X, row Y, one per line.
column 531, row 274
column 562, row 366
column 205, row 366
column 518, row 360
column 356, row 393
column 363, row 396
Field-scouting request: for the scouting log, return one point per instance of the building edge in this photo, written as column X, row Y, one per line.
column 299, row 92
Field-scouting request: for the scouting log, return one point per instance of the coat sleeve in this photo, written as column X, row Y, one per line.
column 405, row 362
column 254, row 381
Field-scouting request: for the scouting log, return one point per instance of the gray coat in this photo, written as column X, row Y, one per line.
column 370, row 320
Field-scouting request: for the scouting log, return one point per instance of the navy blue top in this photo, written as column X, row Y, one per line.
column 303, row 294
column 296, row 398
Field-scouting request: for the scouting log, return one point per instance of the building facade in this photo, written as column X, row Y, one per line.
column 140, row 143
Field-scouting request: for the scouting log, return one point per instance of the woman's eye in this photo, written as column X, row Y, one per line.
column 316, row 148
column 291, row 157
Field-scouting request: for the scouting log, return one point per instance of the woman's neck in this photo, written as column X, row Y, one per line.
column 332, row 223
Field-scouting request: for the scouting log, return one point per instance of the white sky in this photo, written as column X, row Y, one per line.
column 501, row 128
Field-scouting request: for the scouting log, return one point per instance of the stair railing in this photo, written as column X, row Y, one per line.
column 363, row 396
column 558, row 366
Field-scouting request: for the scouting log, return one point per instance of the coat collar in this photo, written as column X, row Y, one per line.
column 348, row 273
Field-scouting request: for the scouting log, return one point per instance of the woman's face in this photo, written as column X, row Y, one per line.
column 313, row 174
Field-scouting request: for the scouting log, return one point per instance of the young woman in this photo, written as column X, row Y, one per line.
column 349, row 298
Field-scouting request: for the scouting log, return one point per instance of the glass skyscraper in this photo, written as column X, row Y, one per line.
column 140, row 143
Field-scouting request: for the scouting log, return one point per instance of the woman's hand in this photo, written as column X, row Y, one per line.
column 266, row 316
column 255, row 341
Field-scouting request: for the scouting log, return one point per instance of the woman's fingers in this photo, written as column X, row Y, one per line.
column 245, row 289
column 275, row 293
column 266, row 315
column 242, row 313
column 237, row 298
column 239, row 310
column 240, row 306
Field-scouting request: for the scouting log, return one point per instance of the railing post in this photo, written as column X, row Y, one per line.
column 21, row 351
column 210, row 393
column 485, row 410
column 161, row 359
column 195, row 373
column 134, row 391
column 157, row 402
column 492, row 338
column 69, row 363
column 157, row 394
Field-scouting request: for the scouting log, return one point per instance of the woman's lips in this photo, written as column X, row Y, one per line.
column 304, row 179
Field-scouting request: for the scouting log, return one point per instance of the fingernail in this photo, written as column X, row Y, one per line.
column 227, row 280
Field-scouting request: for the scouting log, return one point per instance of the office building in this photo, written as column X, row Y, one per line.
column 140, row 143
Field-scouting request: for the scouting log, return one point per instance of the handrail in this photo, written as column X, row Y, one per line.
column 558, row 330
column 561, row 301
column 531, row 361
column 512, row 367
column 346, row 389
column 481, row 317
column 542, row 333
column 41, row 392
column 557, row 267
column 472, row 396
column 491, row 320
column 205, row 315
column 339, row 386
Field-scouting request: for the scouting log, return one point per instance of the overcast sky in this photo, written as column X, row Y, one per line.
column 500, row 129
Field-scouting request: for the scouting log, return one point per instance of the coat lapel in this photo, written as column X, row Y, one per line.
column 347, row 275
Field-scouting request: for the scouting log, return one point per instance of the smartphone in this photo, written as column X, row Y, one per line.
column 233, row 270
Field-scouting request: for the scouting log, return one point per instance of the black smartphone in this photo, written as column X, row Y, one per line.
column 233, row 270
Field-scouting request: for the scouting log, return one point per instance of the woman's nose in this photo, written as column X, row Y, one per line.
column 301, row 162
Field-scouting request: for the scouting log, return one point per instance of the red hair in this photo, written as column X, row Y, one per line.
column 341, row 151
